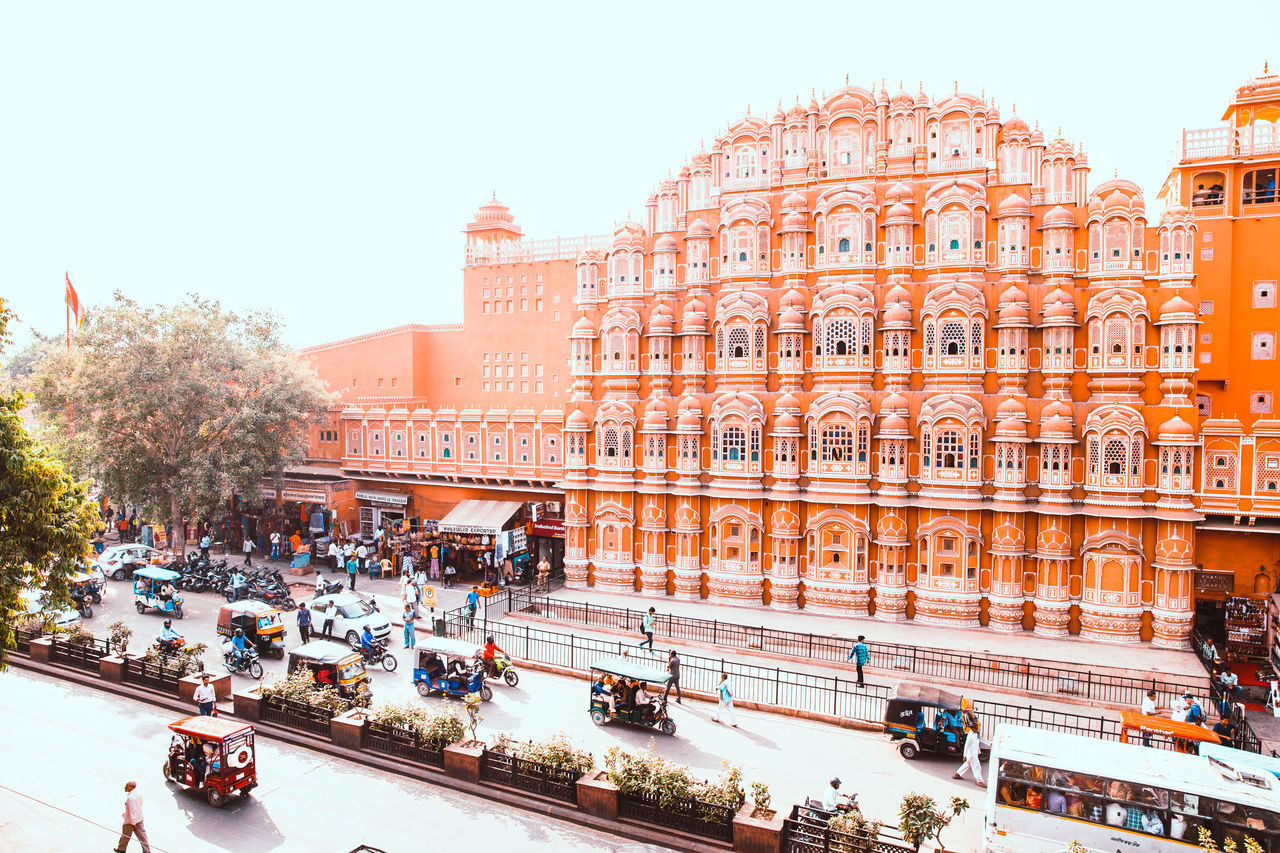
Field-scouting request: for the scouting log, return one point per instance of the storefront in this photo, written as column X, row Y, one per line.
column 305, row 506
column 547, row 542
column 382, row 510
column 478, row 535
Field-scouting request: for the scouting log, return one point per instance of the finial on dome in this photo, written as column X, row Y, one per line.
column 1265, row 67
column 846, row 78
column 494, row 198
column 955, row 87
column 1015, row 107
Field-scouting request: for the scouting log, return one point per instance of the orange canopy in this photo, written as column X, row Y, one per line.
column 1162, row 726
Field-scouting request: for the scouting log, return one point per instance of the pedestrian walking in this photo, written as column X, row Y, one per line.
column 673, row 667
column 352, row 566
column 724, row 690
column 1149, row 708
column 972, row 746
column 362, row 555
column 330, row 612
column 132, row 819
column 406, row 565
column 861, row 654
column 247, row 547
column 206, row 698
column 275, row 544
column 646, row 628
column 410, row 636
column 435, row 562
column 1178, row 708
column 304, row 623
column 473, row 601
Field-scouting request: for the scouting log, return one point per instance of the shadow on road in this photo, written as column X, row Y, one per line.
column 255, row 831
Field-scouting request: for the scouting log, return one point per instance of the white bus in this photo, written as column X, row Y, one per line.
column 1047, row 789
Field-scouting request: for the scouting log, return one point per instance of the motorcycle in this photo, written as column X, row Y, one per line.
column 502, row 667
column 82, row 602
column 330, row 587
column 247, row 663
column 166, row 649
column 378, row 655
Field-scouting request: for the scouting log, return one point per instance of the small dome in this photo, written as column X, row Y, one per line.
column 1055, row 427
column 495, row 212
column 897, row 315
column 893, row 424
column 1057, row 409
column 1117, row 201
column 796, row 113
column 899, row 211
column 1011, row 428
column 1176, row 429
column 1012, row 295
column 898, row 293
column 666, row 244
column 577, row 421
column 893, row 402
column 699, row 230
column 900, row 192
column 786, row 422
column 792, row 299
column 787, row 401
column 779, row 116
column 1015, row 125
column 689, row 421
column 1059, row 306
column 583, row 327
column 794, row 201
column 791, row 318
column 1059, row 217
column 661, row 319
column 796, row 220
column 1014, row 205
column 1177, row 306
column 655, row 416
column 1011, row 407
column 695, row 306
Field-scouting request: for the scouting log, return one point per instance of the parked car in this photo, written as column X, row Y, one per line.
column 117, row 562
column 33, row 604
column 353, row 613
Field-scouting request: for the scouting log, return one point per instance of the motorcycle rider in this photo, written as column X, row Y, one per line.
column 491, row 650
column 239, row 646
column 836, row 801
column 169, row 639
column 367, row 644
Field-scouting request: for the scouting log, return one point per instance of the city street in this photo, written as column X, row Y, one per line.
column 794, row 757
column 67, row 754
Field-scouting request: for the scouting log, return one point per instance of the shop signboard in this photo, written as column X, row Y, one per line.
column 550, row 527
column 1215, row 582
column 518, row 541
column 304, row 495
column 268, row 494
column 382, row 498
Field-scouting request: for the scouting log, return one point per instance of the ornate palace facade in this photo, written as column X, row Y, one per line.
column 884, row 355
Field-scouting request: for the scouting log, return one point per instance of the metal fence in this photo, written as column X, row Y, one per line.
column 1245, row 737
column 772, row 686
column 154, row 676
column 79, row 655
column 921, row 662
column 691, row 816
column 806, row 831
column 296, row 715
column 22, row 638
column 532, row 776
column 403, row 743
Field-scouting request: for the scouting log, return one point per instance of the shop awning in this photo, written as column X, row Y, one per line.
column 484, row 517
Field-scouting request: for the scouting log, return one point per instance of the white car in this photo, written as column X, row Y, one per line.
column 115, row 561
column 352, row 614
column 33, row 605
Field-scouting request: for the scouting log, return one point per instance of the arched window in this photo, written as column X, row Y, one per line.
column 734, row 442
column 738, row 342
column 837, row 443
column 840, row 336
column 953, row 338
column 610, row 443
column 843, row 246
column 949, row 450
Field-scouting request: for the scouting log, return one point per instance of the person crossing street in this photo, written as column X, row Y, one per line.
column 972, row 746
column 861, row 654
column 132, row 819
column 673, row 667
column 724, row 690
column 304, row 623
column 247, row 547
column 646, row 628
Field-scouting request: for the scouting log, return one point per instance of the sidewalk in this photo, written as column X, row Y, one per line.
column 1143, row 659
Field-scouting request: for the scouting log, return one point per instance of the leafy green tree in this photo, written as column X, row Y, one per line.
column 45, row 516
column 174, row 407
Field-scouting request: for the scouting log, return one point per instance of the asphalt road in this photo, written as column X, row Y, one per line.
column 794, row 757
column 65, row 755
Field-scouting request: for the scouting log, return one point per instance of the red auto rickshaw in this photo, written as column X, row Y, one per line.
column 213, row 755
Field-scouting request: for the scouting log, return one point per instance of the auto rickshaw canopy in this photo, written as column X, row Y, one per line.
column 209, row 728
column 449, row 648
column 628, row 667
column 322, row 651
column 926, row 695
column 156, row 573
column 1161, row 726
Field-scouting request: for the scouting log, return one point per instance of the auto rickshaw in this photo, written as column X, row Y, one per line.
column 147, row 583
column 260, row 622
column 214, row 755
column 89, row 585
column 625, row 678
column 925, row 718
column 451, row 668
column 334, row 665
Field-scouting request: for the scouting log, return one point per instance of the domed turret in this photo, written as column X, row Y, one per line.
column 1176, row 430
column 577, row 421
column 1058, row 217
column 655, row 416
column 1010, row 429
column 1014, row 205
column 1177, row 309
column 786, row 423
column 699, row 230
column 666, row 244
column 1011, row 407
column 1059, row 308
column 583, row 328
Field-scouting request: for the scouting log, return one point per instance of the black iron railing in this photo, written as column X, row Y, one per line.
column 692, row 816
column 22, row 638
column 984, row 669
column 806, row 831
column 532, row 776
column 403, row 743
column 79, row 655
column 153, row 676
column 771, row 686
column 296, row 715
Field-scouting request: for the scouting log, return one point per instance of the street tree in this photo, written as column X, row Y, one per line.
column 45, row 516
column 175, row 407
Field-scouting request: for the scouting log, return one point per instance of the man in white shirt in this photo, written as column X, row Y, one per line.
column 1178, row 709
column 206, row 698
column 362, row 554
column 1149, row 710
column 132, row 819
column 333, row 553
column 836, row 801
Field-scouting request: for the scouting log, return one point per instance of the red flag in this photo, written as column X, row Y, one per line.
column 73, row 303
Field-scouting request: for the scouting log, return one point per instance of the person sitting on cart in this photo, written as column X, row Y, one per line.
column 599, row 688
column 491, row 650
column 459, row 678
column 195, row 757
column 166, row 592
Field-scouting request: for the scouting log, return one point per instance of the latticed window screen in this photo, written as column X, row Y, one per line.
column 1135, row 458
column 975, row 337
column 550, row 449
column 974, row 451
column 950, row 449
column 863, row 441
column 1117, row 335
column 837, row 443
column 840, row 334
column 1220, row 470
column 759, row 342
column 626, row 443
column 755, row 444
column 1093, row 456
column 734, row 443
column 738, row 342
column 610, row 443
column 865, row 343
column 953, row 338
column 1267, row 472
column 1115, row 457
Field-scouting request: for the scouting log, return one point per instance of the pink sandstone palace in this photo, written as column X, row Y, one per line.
column 879, row 354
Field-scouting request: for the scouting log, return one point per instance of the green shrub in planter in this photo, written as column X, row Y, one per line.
column 650, row 775
column 119, row 633
column 556, row 751
column 438, row 727
column 299, row 686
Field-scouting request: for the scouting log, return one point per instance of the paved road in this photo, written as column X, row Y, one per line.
column 67, row 753
column 794, row 757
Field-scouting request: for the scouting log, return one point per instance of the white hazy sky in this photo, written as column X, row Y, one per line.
column 320, row 158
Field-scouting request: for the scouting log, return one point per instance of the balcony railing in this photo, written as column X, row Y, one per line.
column 1217, row 142
column 553, row 249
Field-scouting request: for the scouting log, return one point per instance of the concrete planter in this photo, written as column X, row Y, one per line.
column 756, row 835
column 597, row 796
column 347, row 729
column 248, row 705
column 111, row 668
column 41, row 649
column 188, row 684
column 463, row 760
